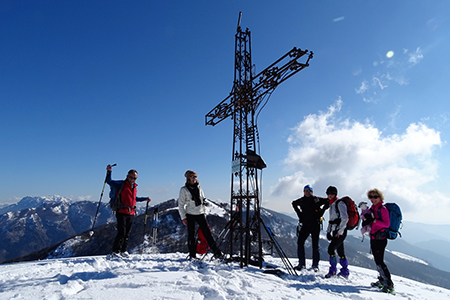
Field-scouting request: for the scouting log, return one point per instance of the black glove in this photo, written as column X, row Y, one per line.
column 369, row 217
column 329, row 236
column 365, row 223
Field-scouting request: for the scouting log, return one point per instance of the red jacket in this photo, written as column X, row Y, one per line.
column 128, row 197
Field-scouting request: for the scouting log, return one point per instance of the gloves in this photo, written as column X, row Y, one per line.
column 369, row 217
column 329, row 236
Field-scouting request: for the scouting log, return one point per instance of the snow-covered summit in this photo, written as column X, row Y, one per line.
column 34, row 202
column 171, row 276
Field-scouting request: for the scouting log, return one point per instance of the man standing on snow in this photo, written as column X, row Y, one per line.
column 127, row 192
column 310, row 210
column 192, row 210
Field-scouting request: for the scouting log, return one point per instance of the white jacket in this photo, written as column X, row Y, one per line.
column 186, row 204
column 335, row 215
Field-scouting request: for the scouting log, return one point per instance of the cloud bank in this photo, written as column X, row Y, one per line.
column 327, row 150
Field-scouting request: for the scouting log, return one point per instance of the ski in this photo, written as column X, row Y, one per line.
column 291, row 270
column 276, row 272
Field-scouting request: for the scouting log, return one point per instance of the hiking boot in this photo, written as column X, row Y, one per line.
column 315, row 268
column 388, row 290
column 299, row 267
column 218, row 255
column 377, row 284
column 192, row 257
column 330, row 274
column 115, row 255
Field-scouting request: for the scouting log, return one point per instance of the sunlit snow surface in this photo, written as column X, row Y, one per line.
column 171, row 276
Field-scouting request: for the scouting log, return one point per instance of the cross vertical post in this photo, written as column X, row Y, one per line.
column 243, row 103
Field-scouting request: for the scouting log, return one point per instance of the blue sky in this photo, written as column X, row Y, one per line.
column 87, row 83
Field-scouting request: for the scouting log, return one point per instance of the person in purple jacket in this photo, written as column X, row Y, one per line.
column 378, row 241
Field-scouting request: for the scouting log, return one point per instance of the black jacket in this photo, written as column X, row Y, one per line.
column 310, row 209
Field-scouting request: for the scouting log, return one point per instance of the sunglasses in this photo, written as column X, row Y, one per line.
column 374, row 196
column 193, row 176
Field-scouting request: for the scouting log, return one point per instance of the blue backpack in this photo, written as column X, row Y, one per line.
column 395, row 220
column 115, row 202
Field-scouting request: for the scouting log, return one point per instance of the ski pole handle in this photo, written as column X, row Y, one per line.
column 113, row 165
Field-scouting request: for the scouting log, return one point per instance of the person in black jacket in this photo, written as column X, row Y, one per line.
column 310, row 210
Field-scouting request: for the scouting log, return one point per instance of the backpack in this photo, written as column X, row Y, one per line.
column 202, row 244
column 115, row 202
column 352, row 212
column 395, row 220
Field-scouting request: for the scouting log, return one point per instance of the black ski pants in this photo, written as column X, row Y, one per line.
column 124, row 223
column 312, row 229
column 337, row 243
column 378, row 247
column 192, row 243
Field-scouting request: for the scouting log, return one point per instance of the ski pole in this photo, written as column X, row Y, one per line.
column 155, row 226
column 98, row 206
column 145, row 226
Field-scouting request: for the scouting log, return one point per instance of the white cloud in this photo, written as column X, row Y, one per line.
column 363, row 87
column 416, row 57
column 392, row 71
column 327, row 150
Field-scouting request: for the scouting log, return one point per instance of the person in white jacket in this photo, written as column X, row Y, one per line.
column 191, row 207
column 336, row 233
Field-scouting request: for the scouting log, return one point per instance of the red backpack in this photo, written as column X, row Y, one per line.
column 202, row 244
column 352, row 212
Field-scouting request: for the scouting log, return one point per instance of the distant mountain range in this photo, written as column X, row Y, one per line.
column 38, row 222
column 57, row 227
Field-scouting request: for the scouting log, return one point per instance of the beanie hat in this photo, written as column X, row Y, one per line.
column 189, row 173
column 308, row 187
column 332, row 190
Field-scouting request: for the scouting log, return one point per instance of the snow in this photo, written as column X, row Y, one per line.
column 171, row 276
column 408, row 257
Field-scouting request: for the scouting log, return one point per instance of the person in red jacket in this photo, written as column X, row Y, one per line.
column 127, row 190
column 378, row 241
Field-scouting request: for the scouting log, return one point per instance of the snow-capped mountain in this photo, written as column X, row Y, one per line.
column 33, row 202
column 38, row 222
column 172, row 236
column 171, row 276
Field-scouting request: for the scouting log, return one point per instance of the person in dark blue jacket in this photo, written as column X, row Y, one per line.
column 310, row 210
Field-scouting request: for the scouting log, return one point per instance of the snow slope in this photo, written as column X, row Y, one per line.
column 171, row 276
